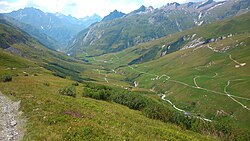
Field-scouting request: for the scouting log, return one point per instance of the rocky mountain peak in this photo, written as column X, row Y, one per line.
column 143, row 9
column 113, row 15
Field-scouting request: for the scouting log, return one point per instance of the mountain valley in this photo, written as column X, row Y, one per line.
column 177, row 72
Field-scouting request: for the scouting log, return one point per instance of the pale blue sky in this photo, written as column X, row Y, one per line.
column 82, row 8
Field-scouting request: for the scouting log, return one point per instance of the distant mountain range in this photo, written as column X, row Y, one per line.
column 43, row 38
column 118, row 31
column 60, row 27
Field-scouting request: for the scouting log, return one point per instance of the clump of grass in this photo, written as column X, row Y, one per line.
column 68, row 91
column 46, row 84
column 6, row 78
column 75, row 84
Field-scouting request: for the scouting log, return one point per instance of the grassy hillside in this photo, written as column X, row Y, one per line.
column 201, row 72
column 210, row 80
column 155, row 49
column 38, row 78
column 52, row 116
column 199, row 81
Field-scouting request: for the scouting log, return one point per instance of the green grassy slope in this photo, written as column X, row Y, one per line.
column 51, row 116
column 212, row 72
column 153, row 50
column 210, row 80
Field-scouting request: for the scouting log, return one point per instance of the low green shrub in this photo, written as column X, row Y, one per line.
column 46, row 84
column 157, row 110
column 131, row 100
column 97, row 93
column 6, row 78
column 75, row 84
column 68, row 91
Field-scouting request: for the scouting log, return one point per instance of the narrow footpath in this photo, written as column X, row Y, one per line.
column 10, row 121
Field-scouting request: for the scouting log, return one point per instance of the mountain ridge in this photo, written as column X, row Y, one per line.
column 130, row 30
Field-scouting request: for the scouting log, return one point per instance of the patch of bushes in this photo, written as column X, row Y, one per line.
column 131, row 100
column 68, row 91
column 6, row 78
column 97, row 92
column 158, row 111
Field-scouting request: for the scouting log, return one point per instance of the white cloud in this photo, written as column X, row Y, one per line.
column 81, row 8
column 159, row 3
column 103, row 7
column 6, row 6
column 48, row 5
column 77, row 8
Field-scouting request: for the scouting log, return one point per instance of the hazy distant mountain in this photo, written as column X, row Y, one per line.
column 113, row 15
column 143, row 9
column 147, row 23
column 33, row 31
column 60, row 27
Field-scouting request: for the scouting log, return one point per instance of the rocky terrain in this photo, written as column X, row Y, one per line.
column 10, row 122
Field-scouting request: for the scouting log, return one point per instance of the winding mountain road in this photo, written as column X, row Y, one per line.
column 196, row 85
column 225, row 90
column 168, row 78
column 229, row 56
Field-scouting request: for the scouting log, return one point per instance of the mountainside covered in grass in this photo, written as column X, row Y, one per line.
column 187, row 39
column 203, row 71
column 146, row 24
column 52, row 102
